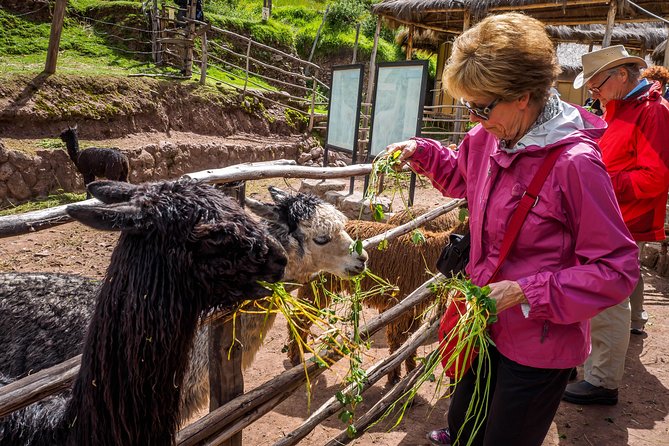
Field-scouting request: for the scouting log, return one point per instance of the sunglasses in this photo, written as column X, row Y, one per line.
column 481, row 112
column 596, row 89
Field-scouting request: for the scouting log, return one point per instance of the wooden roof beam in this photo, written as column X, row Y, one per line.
column 422, row 25
column 551, row 5
column 548, row 22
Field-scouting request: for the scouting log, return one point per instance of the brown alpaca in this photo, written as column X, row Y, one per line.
column 404, row 264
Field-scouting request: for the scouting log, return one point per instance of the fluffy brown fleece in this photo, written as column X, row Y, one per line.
column 404, row 264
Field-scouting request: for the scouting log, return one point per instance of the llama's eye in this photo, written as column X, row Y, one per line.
column 322, row 240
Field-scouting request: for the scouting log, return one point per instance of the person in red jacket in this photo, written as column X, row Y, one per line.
column 660, row 74
column 635, row 150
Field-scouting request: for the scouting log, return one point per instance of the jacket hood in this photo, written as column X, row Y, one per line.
column 573, row 123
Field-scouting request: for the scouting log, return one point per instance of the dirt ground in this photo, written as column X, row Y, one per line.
column 640, row 418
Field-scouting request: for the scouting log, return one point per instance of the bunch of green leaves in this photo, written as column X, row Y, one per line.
column 356, row 377
column 472, row 338
column 296, row 311
column 385, row 166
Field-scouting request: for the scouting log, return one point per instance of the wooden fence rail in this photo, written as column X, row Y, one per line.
column 271, row 393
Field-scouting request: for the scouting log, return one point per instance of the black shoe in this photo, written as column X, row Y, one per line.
column 637, row 331
column 584, row 393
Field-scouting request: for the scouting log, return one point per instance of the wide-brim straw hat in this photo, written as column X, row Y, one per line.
column 600, row 60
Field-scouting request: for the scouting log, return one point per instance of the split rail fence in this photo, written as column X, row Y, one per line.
column 223, row 425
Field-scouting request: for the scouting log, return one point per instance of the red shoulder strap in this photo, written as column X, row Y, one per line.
column 528, row 201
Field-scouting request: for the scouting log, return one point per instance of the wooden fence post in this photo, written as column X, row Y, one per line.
column 313, row 102
column 190, row 40
column 54, row 38
column 318, row 35
column 203, row 66
column 355, row 45
column 610, row 22
column 248, row 55
column 666, row 48
column 226, row 380
column 164, row 15
column 457, row 127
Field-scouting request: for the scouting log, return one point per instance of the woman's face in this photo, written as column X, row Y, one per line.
column 505, row 119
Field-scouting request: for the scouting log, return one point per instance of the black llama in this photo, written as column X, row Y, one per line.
column 95, row 161
column 184, row 250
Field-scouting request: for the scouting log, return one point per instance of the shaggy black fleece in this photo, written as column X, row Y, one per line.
column 185, row 249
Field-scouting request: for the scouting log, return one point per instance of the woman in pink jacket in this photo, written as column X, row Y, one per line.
column 573, row 257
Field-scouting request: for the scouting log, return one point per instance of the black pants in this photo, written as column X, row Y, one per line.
column 522, row 403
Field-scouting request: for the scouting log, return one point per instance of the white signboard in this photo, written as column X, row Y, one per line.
column 398, row 103
column 344, row 108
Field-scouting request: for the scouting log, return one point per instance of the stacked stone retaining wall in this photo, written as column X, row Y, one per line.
column 24, row 177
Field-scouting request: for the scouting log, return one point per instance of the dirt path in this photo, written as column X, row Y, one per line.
column 640, row 418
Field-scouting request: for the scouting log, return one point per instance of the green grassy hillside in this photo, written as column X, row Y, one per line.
column 91, row 42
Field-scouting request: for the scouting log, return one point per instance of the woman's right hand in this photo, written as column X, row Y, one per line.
column 408, row 148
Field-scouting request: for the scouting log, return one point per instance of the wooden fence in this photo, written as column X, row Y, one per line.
column 186, row 42
column 231, row 53
column 223, row 425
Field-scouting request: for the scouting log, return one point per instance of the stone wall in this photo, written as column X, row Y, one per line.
column 24, row 177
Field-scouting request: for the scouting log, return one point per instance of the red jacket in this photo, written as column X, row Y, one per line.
column 635, row 149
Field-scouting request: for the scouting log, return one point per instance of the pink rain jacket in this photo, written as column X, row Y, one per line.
column 573, row 257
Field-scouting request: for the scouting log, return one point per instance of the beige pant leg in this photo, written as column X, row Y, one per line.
column 639, row 316
column 610, row 335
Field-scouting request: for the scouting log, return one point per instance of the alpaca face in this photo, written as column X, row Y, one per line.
column 313, row 234
column 195, row 230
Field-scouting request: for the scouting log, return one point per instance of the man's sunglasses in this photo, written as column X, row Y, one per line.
column 481, row 112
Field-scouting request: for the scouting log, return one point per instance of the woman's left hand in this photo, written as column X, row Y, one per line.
column 506, row 293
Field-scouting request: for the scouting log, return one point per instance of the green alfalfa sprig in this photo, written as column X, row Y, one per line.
column 472, row 336
column 356, row 378
column 385, row 165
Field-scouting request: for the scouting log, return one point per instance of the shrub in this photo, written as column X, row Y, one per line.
column 346, row 13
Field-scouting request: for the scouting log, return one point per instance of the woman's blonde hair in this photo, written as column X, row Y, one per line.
column 504, row 56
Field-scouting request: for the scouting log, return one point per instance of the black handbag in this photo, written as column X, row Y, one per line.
column 455, row 256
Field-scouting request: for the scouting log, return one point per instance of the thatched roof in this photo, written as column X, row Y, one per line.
column 448, row 16
column 646, row 35
column 658, row 54
column 569, row 57
column 633, row 35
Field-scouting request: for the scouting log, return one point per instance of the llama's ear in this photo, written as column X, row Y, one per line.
column 107, row 218
column 277, row 194
column 111, row 191
column 267, row 211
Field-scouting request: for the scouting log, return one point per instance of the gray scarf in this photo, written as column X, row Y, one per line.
column 551, row 109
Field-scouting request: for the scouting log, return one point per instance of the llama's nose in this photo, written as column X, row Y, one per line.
column 277, row 265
